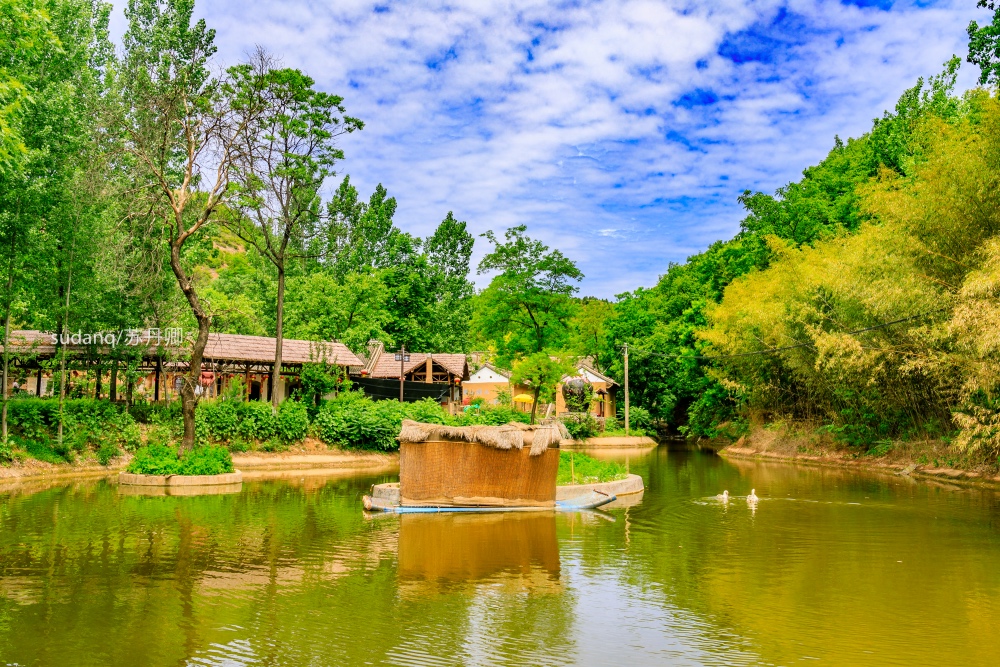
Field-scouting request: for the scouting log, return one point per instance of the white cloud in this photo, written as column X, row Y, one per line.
column 564, row 116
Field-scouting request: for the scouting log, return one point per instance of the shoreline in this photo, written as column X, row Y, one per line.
column 254, row 465
column 778, row 445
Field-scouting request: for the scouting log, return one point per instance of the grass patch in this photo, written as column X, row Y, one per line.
column 577, row 468
column 620, row 433
column 164, row 460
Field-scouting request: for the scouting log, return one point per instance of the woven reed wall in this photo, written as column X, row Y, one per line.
column 464, row 473
column 457, row 547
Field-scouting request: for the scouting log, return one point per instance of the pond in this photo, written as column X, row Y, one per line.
column 832, row 567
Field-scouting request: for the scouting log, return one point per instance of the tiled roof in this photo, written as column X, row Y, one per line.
column 383, row 364
column 261, row 348
column 229, row 347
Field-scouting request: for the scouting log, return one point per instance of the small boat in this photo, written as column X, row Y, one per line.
column 587, row 501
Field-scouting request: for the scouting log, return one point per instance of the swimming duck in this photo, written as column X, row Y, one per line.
column 752, row 498
column 724, row 496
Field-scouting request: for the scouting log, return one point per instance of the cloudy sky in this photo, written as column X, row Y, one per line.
column 619, row 131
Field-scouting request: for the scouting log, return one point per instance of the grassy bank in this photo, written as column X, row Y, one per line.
column 577, row 468
column 806, row 442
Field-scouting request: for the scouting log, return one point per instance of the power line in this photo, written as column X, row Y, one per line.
column 772, row 350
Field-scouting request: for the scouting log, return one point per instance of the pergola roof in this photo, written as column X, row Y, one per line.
column 220, row 347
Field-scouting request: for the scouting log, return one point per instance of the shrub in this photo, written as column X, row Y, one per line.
column 354, row 421
column 491, row 415
column 155, row 459
column 293, row 421
column 107, row 451
column 87, row 423
column 581, row 425
column 163, row 460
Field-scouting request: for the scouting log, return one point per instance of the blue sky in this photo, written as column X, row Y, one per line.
column 619, row 131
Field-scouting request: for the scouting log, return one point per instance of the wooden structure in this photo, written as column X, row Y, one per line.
column 478, row 466
column 441, row 375
column 226, row 356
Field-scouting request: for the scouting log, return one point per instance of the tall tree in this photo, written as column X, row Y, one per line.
column 281, row 168
column 984, row 46
column 449, row 253
column 526, row 307
column 185, row 130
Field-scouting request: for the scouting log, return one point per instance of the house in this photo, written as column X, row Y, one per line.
column 437, row 375
column 486, row 384
column 489, row 381
column 603, row 402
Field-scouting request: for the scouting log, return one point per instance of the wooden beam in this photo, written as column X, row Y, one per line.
column 113, row 391
column 156, row 380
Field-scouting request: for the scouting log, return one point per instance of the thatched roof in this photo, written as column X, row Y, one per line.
column 514, row 435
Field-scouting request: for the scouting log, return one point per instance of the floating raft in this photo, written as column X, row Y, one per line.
column 588, row 501
column 508, row 468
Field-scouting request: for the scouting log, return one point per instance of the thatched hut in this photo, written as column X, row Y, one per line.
column 513, row 465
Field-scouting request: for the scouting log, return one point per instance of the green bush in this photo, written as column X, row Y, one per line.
column 491, row 415
column 587, row 470
column 87, row 424
column 293, row 421
column 161, row 459
column 156, row 413
column 234, row 422
column 106, row 452
column 581, row 425
column 354, row 421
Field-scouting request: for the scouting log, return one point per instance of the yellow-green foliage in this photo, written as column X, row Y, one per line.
column 931, row 248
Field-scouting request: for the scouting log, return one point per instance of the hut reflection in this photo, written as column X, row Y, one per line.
column 520, row 548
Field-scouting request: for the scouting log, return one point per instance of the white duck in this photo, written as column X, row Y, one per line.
column 724, row 496
column 752, row 498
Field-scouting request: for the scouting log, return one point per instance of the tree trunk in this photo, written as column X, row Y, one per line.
column 6, row 337
column 278, row 337
column 534, row 404
column 65, row 328
column 189, row 401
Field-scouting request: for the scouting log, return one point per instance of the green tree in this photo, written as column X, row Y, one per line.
column 541, row 372
column 449, row 253
column 527, row 305
column 184, row 130
column 281, row 166
column 984, row 46
column 353, row 311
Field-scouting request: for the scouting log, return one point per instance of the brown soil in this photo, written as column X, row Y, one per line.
column 924, row 458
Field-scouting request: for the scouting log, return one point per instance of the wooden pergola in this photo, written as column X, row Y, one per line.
column 225, row 354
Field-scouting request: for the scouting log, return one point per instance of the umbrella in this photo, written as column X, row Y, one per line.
column 524, row 398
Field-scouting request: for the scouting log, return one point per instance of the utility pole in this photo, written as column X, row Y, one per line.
column 626, row 389
column 402, row 357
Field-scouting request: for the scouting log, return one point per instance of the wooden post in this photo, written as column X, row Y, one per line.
column 246, row 380
column 38, row 383
column 113, row 390
column 626, row 389
column 156, row 380
column 97, row 387
column 270, row 383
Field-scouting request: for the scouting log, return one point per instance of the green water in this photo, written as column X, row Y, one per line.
column 833, row 568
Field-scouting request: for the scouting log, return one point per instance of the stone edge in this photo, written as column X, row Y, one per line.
column 180, row 480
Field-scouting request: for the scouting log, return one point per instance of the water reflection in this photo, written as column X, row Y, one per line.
column 448, row 548
column 850, row 568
